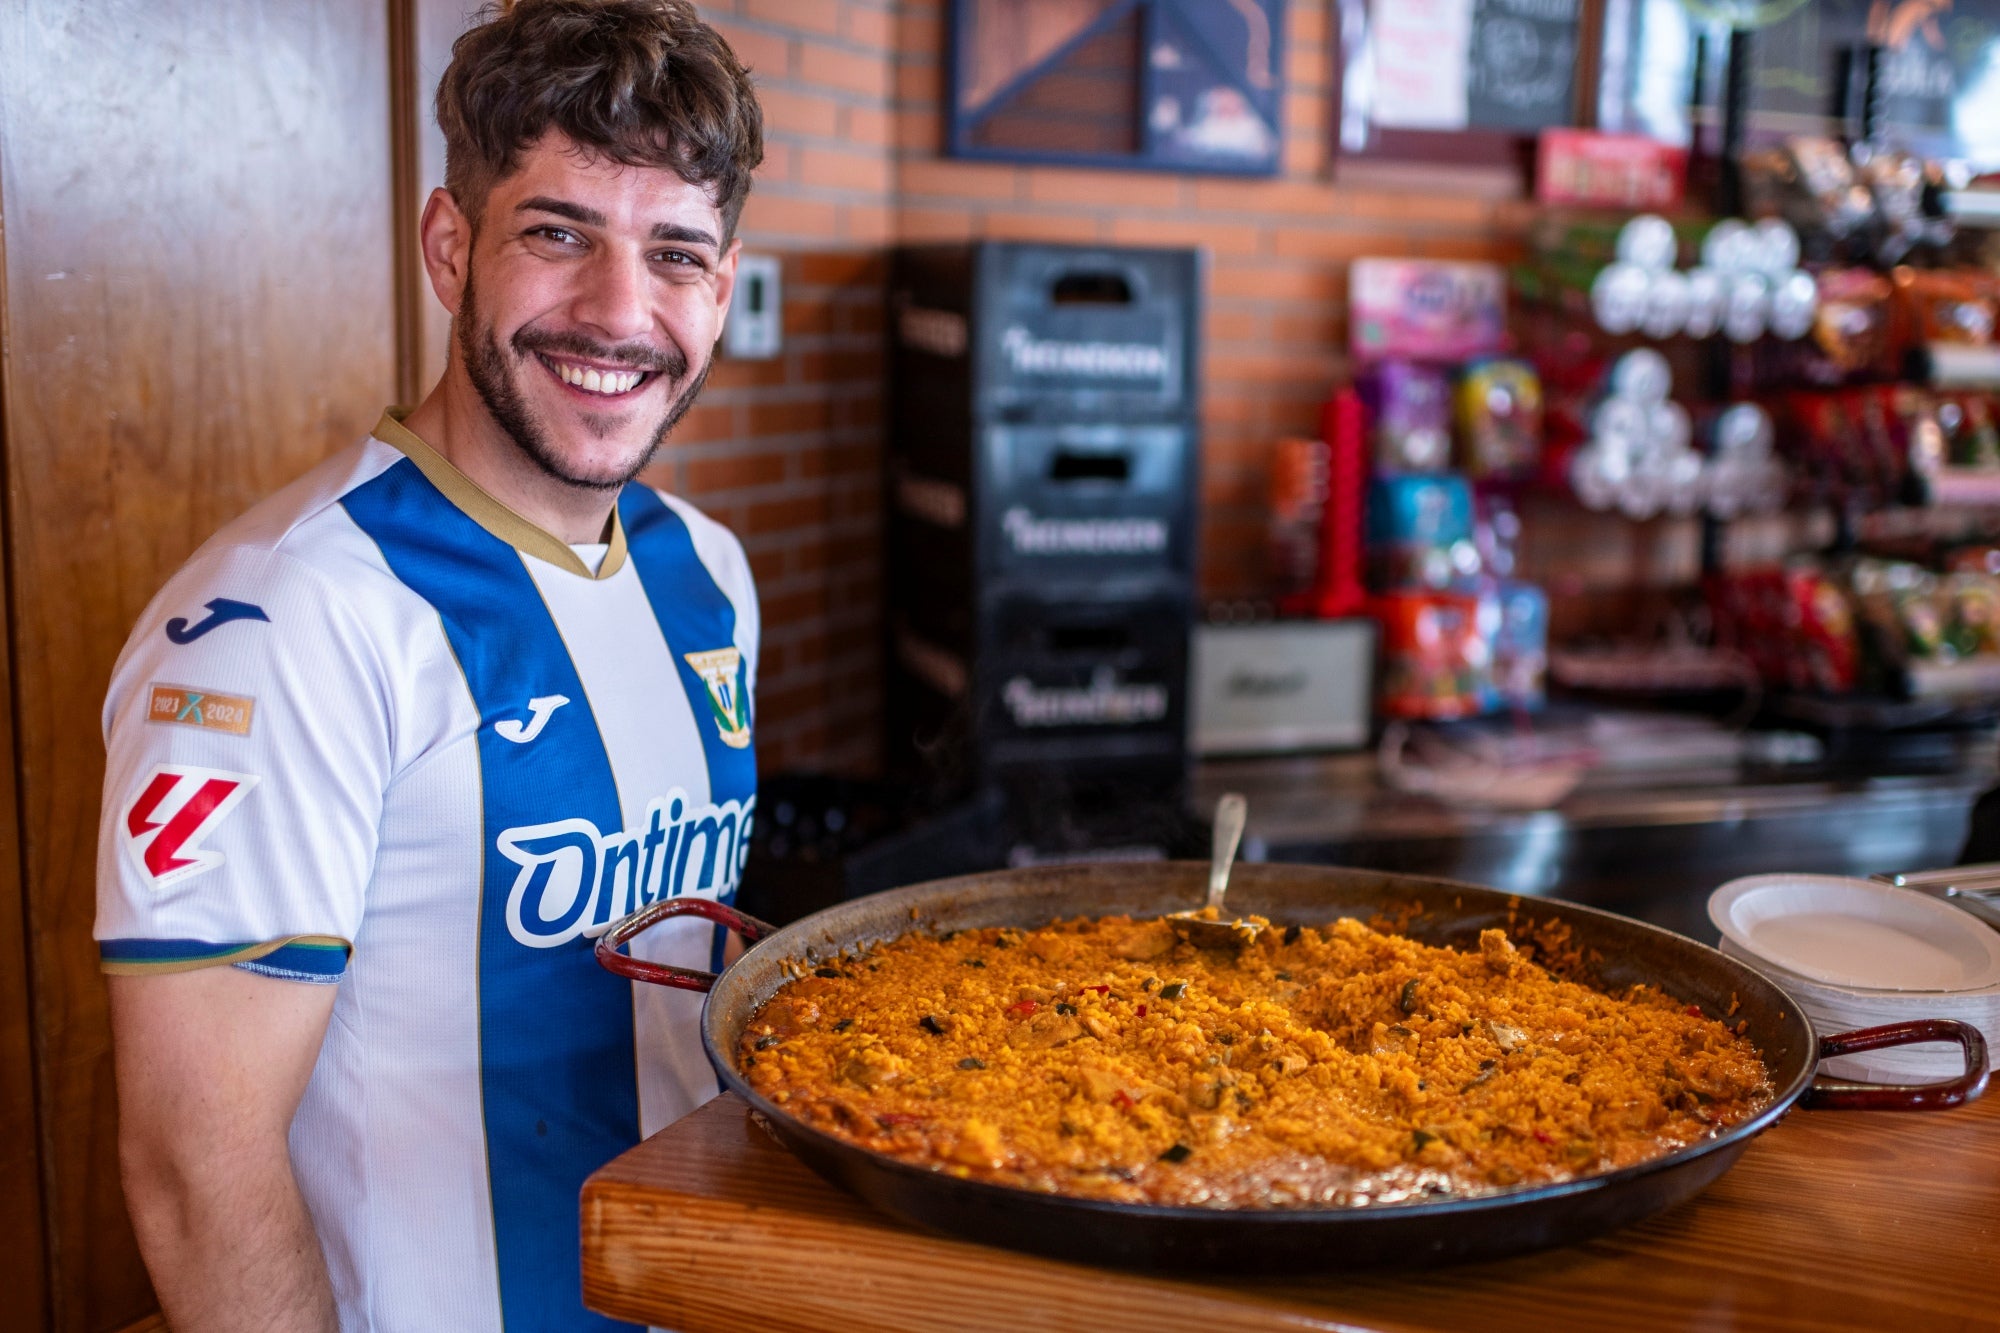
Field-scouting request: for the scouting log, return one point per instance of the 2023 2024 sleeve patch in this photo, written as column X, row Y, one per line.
column 210, row 710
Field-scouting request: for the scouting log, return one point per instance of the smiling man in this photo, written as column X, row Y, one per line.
column 393, row 747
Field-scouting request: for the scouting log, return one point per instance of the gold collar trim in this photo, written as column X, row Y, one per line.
column 490, row 513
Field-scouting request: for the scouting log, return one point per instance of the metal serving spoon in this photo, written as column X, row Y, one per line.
column 1205, row 927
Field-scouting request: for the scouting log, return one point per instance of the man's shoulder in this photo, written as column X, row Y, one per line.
column 292, row 589
column 298, row 517
column 714, row 544
column 692, row 514
column 296, row 545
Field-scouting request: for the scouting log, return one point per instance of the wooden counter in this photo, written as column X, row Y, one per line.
column 1831, row 1219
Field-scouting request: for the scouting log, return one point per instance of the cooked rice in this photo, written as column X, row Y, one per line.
column 1109, row 1059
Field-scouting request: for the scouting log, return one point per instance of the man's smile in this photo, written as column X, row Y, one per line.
column 597, row 380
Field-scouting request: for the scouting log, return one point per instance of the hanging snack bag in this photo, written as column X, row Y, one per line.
column 1707, row 293
column 1647, row 241
column 1851, row 327
column 1922, row 612
column 1827, row 196
column 1927, row 448
column 1435, row 663
column 1974, row 600
column 1500, row 418
column 1746, row 308
column 1642, row 375
column 1419, row 532
column 1902, row 603
column 1515, row 616
column 1667, row 302
column 1298, row 496
column 1822, row 630
column 1426, row 309
column 1728, row 247
column 1950, row 306
column 1618, row 296
column 1983, row 558
column 1409, row 408
column 1981, row 439
column 1794, row 302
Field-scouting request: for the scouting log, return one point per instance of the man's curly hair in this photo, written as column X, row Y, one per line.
column 643, row 82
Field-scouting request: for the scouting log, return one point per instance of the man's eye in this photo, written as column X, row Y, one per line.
column 678, row 257
column 560, row 235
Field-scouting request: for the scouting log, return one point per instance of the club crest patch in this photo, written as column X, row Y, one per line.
column 721, row 671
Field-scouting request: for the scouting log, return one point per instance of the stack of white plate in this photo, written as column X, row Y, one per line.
column 1856, row 954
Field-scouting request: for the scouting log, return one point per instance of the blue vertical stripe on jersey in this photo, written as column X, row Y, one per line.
column 695, row 615
column 556, row 1061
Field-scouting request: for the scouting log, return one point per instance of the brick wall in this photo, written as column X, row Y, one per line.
column 787, row 452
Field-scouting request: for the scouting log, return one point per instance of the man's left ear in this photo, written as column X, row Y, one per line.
column 445, row 236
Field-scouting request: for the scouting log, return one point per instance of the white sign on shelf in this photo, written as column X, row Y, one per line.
column 1421, row 50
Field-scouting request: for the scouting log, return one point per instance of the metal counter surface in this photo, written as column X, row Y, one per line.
column 1651, row 842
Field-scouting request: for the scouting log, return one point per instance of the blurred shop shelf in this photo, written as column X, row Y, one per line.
column 1973, row 208
column 1950, row 366
column 1647, row 840
column 1958, row 487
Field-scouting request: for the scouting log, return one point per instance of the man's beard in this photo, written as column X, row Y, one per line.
column 495, row 381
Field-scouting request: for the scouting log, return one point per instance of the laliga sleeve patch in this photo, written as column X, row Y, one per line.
column 177, row 807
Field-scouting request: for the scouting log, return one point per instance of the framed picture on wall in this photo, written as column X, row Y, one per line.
column 1181, row 85
column 1465, row 81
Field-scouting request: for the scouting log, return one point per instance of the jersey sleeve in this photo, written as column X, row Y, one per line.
column 248, row 746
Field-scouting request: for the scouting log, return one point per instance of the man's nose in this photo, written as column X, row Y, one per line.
column 616, row 296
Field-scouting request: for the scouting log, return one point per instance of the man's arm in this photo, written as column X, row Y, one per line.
column 211, row 1065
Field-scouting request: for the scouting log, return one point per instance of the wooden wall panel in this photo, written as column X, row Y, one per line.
column 199, row 306
column 435, row 25
column 23, row 1278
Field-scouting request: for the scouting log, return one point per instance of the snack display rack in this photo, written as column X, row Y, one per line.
column 1878, row 496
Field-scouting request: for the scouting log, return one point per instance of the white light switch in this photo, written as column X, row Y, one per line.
column 756, row 326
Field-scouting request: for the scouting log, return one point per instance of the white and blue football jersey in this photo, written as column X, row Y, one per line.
column 383, row 732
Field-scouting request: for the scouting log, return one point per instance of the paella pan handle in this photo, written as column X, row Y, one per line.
column 663, row 974
column 1836, row 1095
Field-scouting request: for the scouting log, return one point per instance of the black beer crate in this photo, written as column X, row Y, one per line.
column 1020, row 448
column 1045, row 332
column 1082, row 504
column 1043, row 467
column 1017, row 683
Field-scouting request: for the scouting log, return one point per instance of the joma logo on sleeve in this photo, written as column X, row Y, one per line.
column 220, row 612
